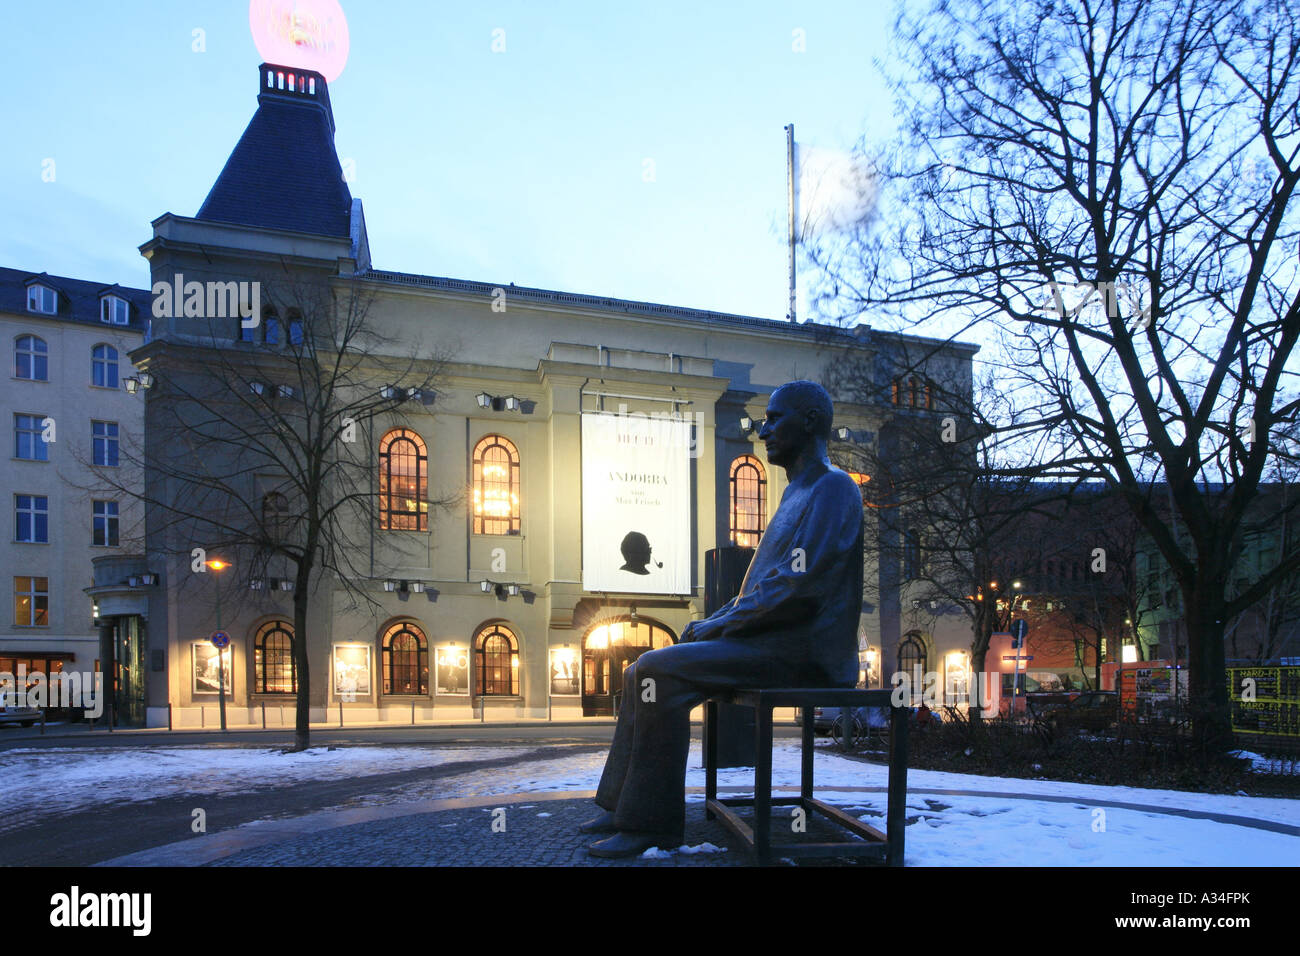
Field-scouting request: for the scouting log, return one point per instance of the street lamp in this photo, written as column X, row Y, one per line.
column 216, row 564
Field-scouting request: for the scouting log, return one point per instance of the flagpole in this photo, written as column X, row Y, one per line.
column 789, row 187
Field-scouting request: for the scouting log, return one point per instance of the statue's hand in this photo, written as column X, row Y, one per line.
column 696, row 631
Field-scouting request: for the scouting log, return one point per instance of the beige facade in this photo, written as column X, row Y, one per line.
column 50, row 489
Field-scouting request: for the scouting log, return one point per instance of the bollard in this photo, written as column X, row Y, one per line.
column 340, row 713
column 412, row 713
column 42, row 721
column 264, row 715
column 169, row 715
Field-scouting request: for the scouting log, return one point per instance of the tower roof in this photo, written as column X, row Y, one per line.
column 284, row 172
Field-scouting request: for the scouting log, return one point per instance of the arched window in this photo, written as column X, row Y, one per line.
column 496, row 486
column 748, row 501
column 275, row 515
column 103, row 366
column 911, row 656
column 911, row 391
column 405, row 660
column 403, row 482
column 31, row 358
column 496, row 662
column 274, row 670
column 294, row 319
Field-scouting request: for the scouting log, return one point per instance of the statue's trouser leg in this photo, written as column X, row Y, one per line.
column 645, row 775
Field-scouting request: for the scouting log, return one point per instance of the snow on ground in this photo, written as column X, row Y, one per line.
column 71, row 778
column 947, row 830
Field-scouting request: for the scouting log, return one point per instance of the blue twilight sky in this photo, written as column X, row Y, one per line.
column 524, row 166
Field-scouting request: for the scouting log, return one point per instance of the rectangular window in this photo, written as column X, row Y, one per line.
column 32, row 519
column 31, row 602
column 271, row 326
column 28, row 441
column 114, row 310
column 42, row 299
column 105, row 523
column 105, row 442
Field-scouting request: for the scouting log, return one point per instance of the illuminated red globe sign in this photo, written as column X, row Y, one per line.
column 312, row 34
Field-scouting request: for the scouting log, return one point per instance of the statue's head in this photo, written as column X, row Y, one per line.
column 799, row 416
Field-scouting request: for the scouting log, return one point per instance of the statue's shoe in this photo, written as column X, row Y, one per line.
column 627, row 843
column 601, row 824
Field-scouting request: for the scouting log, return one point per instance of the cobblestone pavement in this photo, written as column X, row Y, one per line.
column 536, row 834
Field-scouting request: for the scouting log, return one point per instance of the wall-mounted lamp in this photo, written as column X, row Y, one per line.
column 390, row 585
column 416, row 587
column 511, row 403
column 286, row 391
column 285, row 584
column 257, row 584
column 137, row 382
column 257, row 388
column 486, row 586
column 748, row 425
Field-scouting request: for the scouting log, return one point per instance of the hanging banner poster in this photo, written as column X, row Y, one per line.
column 636, row 503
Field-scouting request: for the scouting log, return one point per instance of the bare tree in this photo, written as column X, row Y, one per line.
column 261, row 451
column 1111, row 182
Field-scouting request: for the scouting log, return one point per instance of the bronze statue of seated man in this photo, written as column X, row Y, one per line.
column 793, row 624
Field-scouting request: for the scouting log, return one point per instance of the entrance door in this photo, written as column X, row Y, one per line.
column 128, row 697
column 607, row 650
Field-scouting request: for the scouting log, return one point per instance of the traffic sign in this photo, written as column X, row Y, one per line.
column 1019, row 630
column 220, row 640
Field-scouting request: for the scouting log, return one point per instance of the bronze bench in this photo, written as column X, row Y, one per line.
column 884, row 847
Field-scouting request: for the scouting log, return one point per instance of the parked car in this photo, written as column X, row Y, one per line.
column 1091, row 710
column 825, row 719
column 23, row 716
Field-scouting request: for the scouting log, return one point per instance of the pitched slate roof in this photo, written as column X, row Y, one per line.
column 78, row 298
column 284, row 172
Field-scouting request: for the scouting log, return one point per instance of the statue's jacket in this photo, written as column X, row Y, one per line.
column 802, row 593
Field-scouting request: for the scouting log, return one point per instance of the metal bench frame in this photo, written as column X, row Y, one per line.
column 884, row 847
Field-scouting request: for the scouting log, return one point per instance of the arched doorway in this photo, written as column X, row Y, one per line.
column 607, row 649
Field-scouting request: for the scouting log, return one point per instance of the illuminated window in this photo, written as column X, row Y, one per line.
column 31, row 359
column 911, row 654
column 405, row 660
column 403, row 482
column 274, row 670
column 748, row 501
column 496, row 486
column 496, row 662
column 31, row 602
column 103, row 366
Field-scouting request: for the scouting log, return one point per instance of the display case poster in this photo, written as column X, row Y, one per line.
column 453, row 671
column 564, row 672
column 636, row 504
column 207, row 669
column 351, row 671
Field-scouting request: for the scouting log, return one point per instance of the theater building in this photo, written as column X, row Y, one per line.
column 594, row 451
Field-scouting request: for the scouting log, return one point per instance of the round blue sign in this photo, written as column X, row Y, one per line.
column 220, row 640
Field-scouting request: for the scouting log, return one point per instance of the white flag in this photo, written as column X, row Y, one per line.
column 834, row 190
